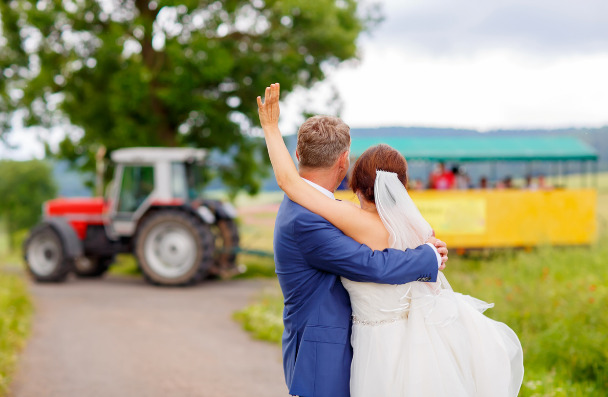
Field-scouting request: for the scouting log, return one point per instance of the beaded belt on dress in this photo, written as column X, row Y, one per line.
column 357, row 320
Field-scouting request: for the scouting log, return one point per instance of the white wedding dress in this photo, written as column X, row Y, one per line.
column 424, row 339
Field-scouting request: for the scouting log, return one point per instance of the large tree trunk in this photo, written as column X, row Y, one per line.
column 154, row 61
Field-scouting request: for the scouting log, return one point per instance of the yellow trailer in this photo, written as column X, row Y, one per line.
column 500, row 217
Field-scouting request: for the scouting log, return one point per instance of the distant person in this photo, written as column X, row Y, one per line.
column 461, row 179
column 508, row 182
column 417, row 184
column 542, row 183
column 408, row 339
column 483, row 183
column 441, row 178
column 530, row 184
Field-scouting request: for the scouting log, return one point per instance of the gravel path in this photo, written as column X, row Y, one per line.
column 122, row 337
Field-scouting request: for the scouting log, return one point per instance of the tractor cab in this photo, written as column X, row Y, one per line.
column 146, row 178
column 152, row 209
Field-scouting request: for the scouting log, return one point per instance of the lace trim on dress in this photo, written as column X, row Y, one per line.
column 379, row 322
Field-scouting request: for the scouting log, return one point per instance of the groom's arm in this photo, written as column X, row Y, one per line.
column 326, row 248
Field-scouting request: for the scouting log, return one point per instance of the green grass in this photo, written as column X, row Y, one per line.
column 553, row 298
column 16, row 308
column 11, row 256
column 264, row 319
column 125, row 265
column 256, row 267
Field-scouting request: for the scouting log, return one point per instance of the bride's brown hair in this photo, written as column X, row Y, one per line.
column 379, row 157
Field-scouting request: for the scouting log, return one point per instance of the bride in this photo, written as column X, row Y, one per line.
column 414, row 339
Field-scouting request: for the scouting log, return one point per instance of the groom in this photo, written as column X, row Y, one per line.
column 311, row 255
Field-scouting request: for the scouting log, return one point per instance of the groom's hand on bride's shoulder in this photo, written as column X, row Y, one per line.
column 442, row 249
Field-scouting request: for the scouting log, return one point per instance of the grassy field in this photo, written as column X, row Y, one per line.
column 16, row 309
column 553, row 298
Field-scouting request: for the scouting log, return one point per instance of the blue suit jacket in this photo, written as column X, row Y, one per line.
column 310, row 256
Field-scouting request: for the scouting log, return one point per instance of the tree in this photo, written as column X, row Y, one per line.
column 24, row 186
column 166, row 72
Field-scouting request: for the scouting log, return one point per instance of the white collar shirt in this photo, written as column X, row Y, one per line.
column 321, row 189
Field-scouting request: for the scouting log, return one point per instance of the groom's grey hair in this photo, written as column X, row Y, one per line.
column 321, row 140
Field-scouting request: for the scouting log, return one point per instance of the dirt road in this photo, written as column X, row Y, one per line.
column 122, row 337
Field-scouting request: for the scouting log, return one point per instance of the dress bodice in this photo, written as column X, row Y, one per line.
column 377, row 303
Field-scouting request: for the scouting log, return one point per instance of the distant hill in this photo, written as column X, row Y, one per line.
column 71, row 183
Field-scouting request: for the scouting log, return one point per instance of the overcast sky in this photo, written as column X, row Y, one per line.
column 480, row 64
column 466, row 63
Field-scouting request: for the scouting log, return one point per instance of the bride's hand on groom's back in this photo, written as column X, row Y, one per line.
column 269, row 109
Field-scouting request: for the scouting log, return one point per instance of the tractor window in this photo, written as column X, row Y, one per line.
column 137, row 184
column 197, row 175
column 179, row 184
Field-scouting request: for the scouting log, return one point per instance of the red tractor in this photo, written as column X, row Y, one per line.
column 152, row 210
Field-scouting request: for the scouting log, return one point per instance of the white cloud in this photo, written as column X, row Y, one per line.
column 494, row 89
column 480, row 64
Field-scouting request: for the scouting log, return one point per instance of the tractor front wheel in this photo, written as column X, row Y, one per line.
column 45, row 255
column 174, row 248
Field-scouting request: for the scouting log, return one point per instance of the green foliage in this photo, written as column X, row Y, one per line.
column 256, row 266
column 166, row 72
column 264, row 319
column 10, row 256
column 16, row 308
column 125, row 265
column 24, row 186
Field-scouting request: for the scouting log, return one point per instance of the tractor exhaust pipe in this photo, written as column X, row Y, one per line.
column 100, row 168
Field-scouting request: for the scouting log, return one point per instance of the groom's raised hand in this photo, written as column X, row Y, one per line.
column 269, row 109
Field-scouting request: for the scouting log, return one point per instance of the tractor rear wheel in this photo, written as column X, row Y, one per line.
column 174, row 248
column 92, row 266
column 226, row 243
column 45, row 255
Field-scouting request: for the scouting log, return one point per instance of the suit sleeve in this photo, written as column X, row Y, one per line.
column 326, row 248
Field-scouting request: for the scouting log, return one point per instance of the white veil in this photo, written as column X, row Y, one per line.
column 406, row 226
